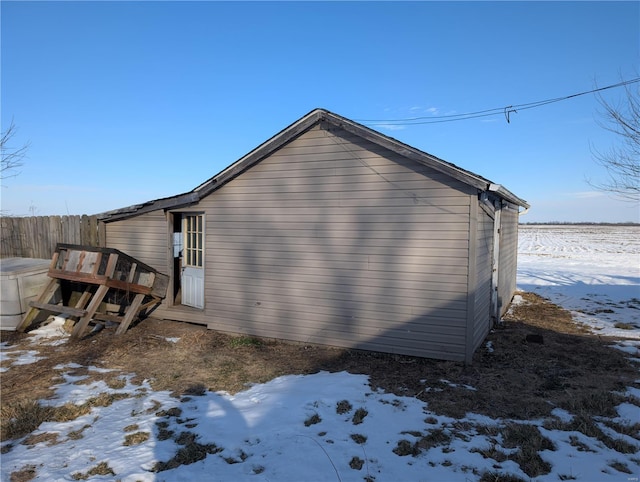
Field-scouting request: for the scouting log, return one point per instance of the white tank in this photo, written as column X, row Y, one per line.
column 21, row 280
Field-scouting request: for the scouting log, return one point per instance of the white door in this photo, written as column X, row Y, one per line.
column 193, row 260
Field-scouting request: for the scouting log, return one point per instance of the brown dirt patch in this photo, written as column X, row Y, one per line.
column 519, row 379
column 26, row 474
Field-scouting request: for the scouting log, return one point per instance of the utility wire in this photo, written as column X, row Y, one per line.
column 506, row 110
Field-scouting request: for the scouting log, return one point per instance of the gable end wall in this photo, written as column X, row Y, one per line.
column 333, row 240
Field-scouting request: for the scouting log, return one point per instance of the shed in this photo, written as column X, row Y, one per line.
column 333, row 233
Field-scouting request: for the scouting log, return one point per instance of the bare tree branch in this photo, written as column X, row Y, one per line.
column 622, row 161
column 12, row 158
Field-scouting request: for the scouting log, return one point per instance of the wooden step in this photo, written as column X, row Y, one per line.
column 64, row 310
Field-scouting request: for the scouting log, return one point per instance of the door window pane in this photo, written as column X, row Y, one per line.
column 193, row 235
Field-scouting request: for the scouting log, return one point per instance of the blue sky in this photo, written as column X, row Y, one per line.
column 124, row 102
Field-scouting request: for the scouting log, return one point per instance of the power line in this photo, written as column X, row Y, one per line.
column 506, row 110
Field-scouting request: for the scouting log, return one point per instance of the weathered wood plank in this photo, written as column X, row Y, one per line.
column 107, row 317
column 84, row 299
column 82, row 325
column 65, row 310
column 45, row 297
column 132, row 311
column 123, row 285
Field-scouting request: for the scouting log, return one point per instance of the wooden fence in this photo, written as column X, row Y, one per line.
column 37, row 236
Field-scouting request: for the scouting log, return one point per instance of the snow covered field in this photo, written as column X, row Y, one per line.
column 333, row 426
column 593, row 271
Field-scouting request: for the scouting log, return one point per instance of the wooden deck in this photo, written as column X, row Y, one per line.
column 88, row 282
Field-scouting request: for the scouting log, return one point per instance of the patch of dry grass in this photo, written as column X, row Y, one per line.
column 190, row 452
column 78, row 434
column 312, row 420
column 621, row 467
column 135, row 438
column 434, row 438
column 356, row 463
column 405, row 447
column 25, row 474
column 343, row 406
column 23, row 416
column 500, row 477
column 519, row 379
column 359, row 415
column 46, row 438
column 528, row 441
column 101, row 469
column 632, row 430
column 492, row 452
column 585, row 424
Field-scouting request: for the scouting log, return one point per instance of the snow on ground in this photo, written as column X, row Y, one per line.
column 593, row 271
column 333, row 426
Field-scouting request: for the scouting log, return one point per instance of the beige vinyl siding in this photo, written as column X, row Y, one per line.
column 144, row 237
column 508, row 256
column 334, row 240
column 482, row 301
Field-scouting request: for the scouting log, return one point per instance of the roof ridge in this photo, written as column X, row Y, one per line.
column 294, row 130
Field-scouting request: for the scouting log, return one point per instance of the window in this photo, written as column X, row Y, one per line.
column 193, row 240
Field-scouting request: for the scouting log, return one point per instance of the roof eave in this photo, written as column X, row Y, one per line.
column 173, row 202
column 425, row 158
column 317, row 115
column 291, row 132
column 263, row 150
column 508, row 195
